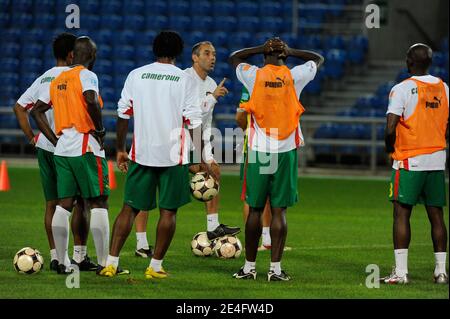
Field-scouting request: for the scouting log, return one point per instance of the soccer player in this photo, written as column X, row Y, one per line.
column 204, row 59
column 63, row 52
column 79, row 156
column 274, row 138
column 162, row 98
column 415, row 136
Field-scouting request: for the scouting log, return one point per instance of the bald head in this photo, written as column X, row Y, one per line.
column 84, row 52
column 419, row 58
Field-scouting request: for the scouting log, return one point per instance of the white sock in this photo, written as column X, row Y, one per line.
column 440, row 258
column 79, row 253
column 212, row 221
column 249, row 265
column 111, row 260
column 53, row 254
column 60, row 230
column 401, row 262
column 141, row 241
column 100, row 232
column 276, row 267
column 156, row 264
column 266, row 241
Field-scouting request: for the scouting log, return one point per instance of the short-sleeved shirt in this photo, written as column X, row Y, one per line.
column 29, row 98
column 73, row 143
column 402, row 102
column 302, row 75
column 162, row 98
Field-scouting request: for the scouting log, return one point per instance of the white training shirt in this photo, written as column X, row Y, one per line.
column 402, row 102
column 207, row 101
column 72, row 143
column 162, row 98
column 29, row 98
column 302, row 75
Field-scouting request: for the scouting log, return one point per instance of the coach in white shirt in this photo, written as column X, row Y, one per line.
column 162, row 98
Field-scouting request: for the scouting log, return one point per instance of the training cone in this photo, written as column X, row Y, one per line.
column 111, row 175
column 4, row 178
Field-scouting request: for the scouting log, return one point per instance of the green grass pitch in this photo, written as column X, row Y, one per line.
column 336, row 230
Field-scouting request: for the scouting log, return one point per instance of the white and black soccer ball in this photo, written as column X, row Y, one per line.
column 28, row 261
column 228, row 247
column 202, row 188
column 201, row 245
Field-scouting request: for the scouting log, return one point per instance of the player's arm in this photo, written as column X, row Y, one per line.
column 241, row 118
column 241, row 56
column 38, row 114
column 24, row 123
column 121, row 137
column 390, row 132
column 305, row 55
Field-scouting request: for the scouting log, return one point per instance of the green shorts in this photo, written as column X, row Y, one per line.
column 142, row 183
column 413, row 187
column 47, row 171
column 85, row 175
column 273, row 175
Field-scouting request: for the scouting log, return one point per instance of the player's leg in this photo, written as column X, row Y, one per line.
column 47, row 172
column 173, row 185
column 283, row 194
column 139, row 195
column 256, row 187
column 142, row 247
column 435, row 200
column 214, row 228
column 67, row 190
column 404, row 192
column 266, row 242
column 80, row 231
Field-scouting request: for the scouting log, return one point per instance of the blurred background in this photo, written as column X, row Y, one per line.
column 345, row 105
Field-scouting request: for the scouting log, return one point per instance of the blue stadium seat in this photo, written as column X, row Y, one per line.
column 222, row 69
column 111, row 22
column 221, row 53
column 219, row 38
column 4, row 20
column 335, row 63
column 9, row 64
column 157, row 7
column 226, row 24
column 385, row 88
column 334, row 42
column 21, row 20
column 123, row 67
column 90, row 6
column 108, row 95
column 8, row 122
column 105, row 81
column 201, row 8
column 125, row 37
column 110, row 124
column 444, row 45
column 9, row 50
column 123, row 52
column 26, row 79
column 134, row 7
column 103, row 66
column 104, row 52
column 23, row 5
column 90, row 21
column 178, row 8
column 440, row 73
column 45, row 21
column 11, row 35
column 143, row 53
column 179, row 23
column 271, row 25
column 270, row 9
column 311, row 42
column 240, row 39
column 326, row 131
column 223, row 8
column 289, row 38
column 246, row 8
column 33, row 35
column 438, row 59
column 11, row 78
column 248, row 24
column 135, row 22
column 201, row 23
column 157, row 23
column 402, row 75
column 31, row 50
column 194, row 37
column 111, row 7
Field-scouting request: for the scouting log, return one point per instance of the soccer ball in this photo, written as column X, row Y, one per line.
column 202, row 188
column 28, row 261
column 201, row 245
column 228, row 247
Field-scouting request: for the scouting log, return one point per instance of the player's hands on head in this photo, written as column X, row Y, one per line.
column 122, row 161
column 274, row 45
column 220, row 90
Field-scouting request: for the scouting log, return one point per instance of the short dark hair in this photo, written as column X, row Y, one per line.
column 168, row 44
column 196, row 47
column 63, row 44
